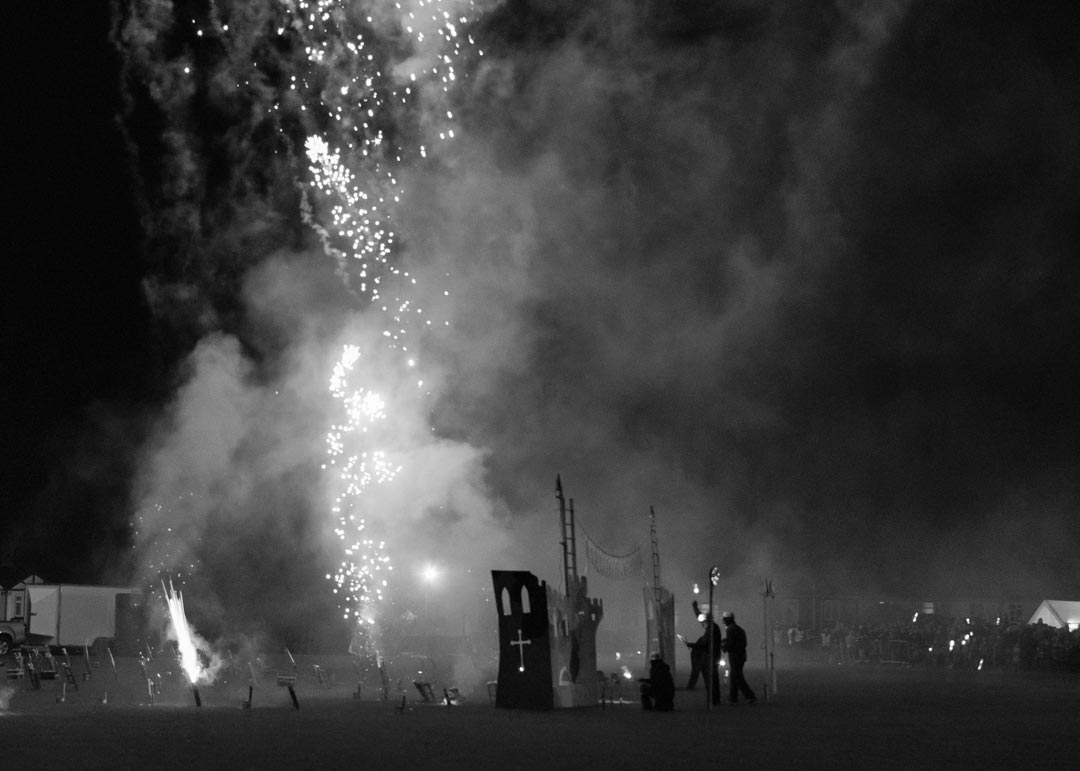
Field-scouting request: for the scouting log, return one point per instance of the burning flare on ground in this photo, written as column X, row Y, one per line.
column 186, row 640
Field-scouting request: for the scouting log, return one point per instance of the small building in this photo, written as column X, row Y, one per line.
column 1061, row 614
column 13, row 599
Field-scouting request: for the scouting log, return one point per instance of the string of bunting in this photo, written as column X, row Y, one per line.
column 615, row 566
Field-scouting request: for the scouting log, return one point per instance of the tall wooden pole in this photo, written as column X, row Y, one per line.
column 571, row 539
column 666, row 655
column 766, row 595
column 562, row 530
column 712, row 671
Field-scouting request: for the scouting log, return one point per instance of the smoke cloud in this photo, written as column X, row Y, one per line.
column 792, row 274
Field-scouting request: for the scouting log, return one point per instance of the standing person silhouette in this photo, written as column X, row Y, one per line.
column 735, row 646
column 700, row 649
column 699, row 656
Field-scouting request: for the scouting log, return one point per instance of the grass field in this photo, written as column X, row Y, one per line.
column 821, row 717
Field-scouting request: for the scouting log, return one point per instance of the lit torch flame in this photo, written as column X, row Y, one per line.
column 185, row 640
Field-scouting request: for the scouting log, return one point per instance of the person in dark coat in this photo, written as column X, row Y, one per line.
column 699, row 654
column 658, row 691
column 735, row 647
column 699, row 657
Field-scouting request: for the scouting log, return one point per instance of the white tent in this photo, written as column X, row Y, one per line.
column 1063, row 614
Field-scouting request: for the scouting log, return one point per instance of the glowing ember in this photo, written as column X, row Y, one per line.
column 185, row 639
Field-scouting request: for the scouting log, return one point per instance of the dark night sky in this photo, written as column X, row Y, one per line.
column 805, row 278
column 78, row 351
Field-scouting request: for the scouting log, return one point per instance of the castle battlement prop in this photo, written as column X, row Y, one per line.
column 547, row 640
column 547, row 643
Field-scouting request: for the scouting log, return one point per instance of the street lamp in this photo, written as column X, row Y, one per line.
column 429, row 574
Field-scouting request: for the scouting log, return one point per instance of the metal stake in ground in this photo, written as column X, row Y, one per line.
column 148, row 678
column 290, row 681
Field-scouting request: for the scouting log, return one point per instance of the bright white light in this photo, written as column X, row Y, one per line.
column 185, row 640
column 430, row 573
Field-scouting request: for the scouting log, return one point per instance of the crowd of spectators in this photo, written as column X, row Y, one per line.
column 929, row 640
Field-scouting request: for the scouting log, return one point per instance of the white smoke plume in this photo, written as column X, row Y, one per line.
column 650, row 256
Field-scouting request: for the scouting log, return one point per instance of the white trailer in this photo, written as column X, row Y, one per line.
column 72, row 614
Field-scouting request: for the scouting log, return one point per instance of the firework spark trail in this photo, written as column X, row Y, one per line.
column 163, row 546
column 185, row 637
column 337, row 102
column 364, row 558
column 352, row 185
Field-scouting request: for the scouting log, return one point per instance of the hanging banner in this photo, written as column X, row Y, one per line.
column 615, row 566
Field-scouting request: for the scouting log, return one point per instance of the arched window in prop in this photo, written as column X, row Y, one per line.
column 525, row 601
column 504, row 602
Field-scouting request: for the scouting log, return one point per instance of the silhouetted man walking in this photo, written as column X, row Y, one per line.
column 735, row 646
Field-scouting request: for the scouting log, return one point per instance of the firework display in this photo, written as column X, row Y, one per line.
column 325, row 107
column 348, row 194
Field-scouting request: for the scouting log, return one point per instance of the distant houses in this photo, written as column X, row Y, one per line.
column 13, row 598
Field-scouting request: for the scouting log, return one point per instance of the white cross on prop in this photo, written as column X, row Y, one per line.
column 521, row 643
